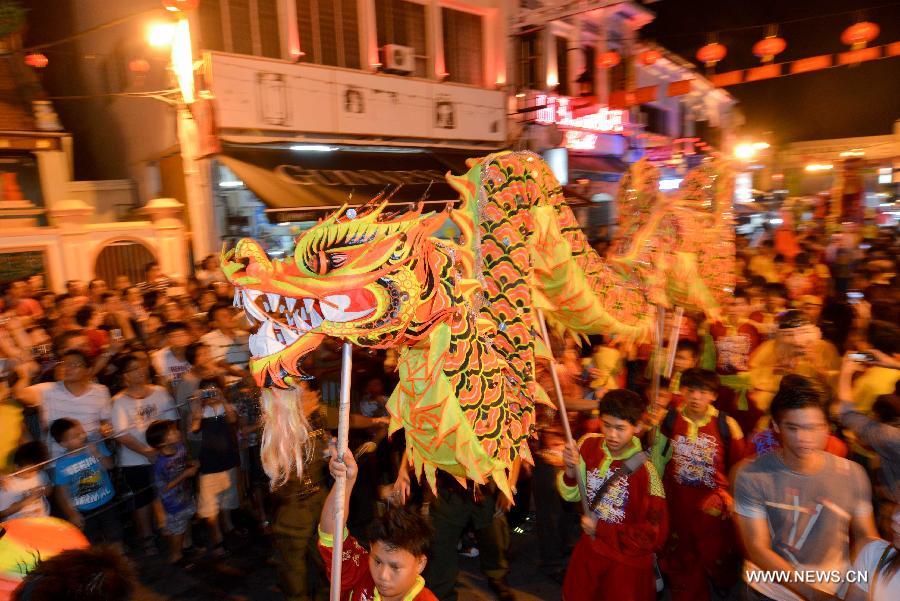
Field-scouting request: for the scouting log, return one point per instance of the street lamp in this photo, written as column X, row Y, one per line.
column 160, row 35
column 178, row 36
column 748, row 150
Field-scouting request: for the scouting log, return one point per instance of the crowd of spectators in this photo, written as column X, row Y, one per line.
column 768, row 443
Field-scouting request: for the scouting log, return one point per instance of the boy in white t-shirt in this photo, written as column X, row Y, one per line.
column 24, row 495
column 134, row 409
column 170, row 361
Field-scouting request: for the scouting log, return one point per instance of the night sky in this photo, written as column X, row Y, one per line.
column 834, row 103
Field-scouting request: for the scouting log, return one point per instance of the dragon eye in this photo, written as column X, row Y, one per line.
column 322, row 262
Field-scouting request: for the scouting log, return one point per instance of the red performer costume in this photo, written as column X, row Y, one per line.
column 734, row 345
column 357, row 583
column 632, row 524
column 702, row 543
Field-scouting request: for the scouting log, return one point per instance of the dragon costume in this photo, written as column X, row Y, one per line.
column 462, row 313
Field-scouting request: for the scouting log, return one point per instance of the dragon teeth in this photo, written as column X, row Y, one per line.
column 291, row 302
column 289, row 336
column 250, row 307
column 314, row 318
column 237, row 298
column 274, row 300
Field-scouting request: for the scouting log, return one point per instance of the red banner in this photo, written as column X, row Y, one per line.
column 764, row 72
column 730, row 78
column 858, row 56
column 813, row 63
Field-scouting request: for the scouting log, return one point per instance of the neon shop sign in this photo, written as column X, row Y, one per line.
column 558, row 110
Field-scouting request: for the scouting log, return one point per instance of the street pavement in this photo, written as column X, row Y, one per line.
column 248, row 574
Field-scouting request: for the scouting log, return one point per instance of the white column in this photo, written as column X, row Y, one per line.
column 368, row 35
column 165, row 213
column 54, row 173
column 71, row 217
column 437, row 41
column 551, row 79
column 204, row 237
column 287, row 29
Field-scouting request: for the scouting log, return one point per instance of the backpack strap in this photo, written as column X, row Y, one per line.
column 724, row 432
column 666, row 427
column 628, row 467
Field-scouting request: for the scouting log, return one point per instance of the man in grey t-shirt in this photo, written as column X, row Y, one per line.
column 797, row 507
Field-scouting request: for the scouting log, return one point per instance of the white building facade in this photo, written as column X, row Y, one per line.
column 569, row 95
column 355, row 98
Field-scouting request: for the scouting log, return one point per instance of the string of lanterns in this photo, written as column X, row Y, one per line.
column 38, row 60
column 138, row 66
column 856, row 36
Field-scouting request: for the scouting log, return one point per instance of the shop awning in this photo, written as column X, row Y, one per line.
column 308, row 176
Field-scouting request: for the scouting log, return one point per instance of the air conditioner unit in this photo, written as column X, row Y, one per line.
column 399, row 59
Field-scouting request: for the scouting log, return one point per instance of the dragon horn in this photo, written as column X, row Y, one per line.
column 394, row 193
column 226, row 252
column 373, row 202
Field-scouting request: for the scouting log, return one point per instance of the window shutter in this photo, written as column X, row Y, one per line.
column 350, row 33
column 463, row 55
column 270, row 38
column 329, row 32
column 241, row 32
column 211, row 25
column 562, row 65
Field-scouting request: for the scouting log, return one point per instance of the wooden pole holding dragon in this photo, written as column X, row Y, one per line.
column 341, row 482
column 563, row 414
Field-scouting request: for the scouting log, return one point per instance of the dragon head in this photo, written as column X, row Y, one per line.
column 364, row 276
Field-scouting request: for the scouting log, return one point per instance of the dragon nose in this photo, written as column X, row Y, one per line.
column 251, row 255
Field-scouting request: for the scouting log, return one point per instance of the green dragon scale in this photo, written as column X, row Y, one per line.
column 463, row 313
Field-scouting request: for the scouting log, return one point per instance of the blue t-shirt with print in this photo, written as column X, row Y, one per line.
column 166, row 469
column 85, row 479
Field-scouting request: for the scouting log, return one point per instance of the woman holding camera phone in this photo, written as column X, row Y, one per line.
column 214, row 418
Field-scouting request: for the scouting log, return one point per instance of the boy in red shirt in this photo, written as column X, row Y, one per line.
column 735, row 338
column 705, row 444
column 628, row 521
column 391, row 569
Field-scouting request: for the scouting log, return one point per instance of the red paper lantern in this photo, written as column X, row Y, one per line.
column 649, row 57
column 711, row 54
column 180, row 5
column 859, row 34
column 36, row 60
column 768, row 47
column 139, row 66
column 608, row 59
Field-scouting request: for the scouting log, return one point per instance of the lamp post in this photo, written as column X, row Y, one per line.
column 177, row 36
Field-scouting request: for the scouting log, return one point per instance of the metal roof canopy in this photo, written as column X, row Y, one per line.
column 328, row 176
